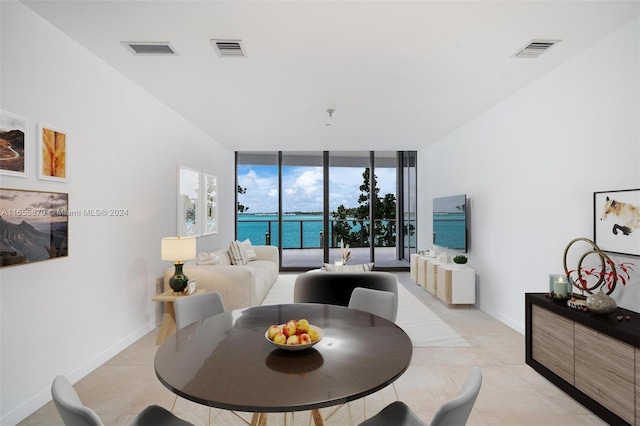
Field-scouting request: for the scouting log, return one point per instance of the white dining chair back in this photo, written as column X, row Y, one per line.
column 457, row 410
column 454, row 412
column 70, row 407
column 377, row 302
column 197, row 307
column 74, row 413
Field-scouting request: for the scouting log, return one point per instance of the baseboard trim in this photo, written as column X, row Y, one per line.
column 43, row 396
column 517, row 326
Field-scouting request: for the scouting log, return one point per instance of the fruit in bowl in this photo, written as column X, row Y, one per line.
column 273, row 330
column 294, row 335
column 290, row 328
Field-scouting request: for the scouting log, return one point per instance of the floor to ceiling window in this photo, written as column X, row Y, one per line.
column 349, row 205
column 302, row 177
column 408, row 202
column 387, row 249
column 307, row 203
column 258, row 197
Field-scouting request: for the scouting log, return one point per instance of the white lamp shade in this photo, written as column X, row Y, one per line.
column 178, row 248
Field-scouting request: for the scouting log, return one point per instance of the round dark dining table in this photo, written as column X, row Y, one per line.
column 226, row 362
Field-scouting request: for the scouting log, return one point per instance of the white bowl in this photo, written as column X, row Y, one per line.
column 296, row 347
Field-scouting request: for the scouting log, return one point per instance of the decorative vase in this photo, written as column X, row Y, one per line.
column 600, row 303
column 178, row 282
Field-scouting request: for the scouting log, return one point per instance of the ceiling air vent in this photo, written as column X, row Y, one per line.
column 156, row 48
column 535, row 48
column 226, row 48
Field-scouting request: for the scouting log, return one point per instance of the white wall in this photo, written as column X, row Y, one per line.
column 531, row 165
column 68, row 316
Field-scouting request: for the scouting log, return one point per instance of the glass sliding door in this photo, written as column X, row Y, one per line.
column 302, row 207
column 409, row 203
column 349, row 205
column 386, row 252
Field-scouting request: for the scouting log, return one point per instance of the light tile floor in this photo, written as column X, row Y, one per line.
column 512, row 393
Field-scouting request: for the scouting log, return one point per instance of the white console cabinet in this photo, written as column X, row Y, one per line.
column 422, row 271
column 432, row 276
column 413, row 267
column 456, row 284
column 452, row 283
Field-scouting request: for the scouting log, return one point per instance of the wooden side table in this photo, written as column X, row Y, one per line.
column 168, row 325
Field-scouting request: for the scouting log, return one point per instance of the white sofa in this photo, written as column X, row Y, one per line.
column 240, row 286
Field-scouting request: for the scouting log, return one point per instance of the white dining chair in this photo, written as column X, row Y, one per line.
column 378, row 302
column 74, row 413
column 197, row 307
column 454, row 412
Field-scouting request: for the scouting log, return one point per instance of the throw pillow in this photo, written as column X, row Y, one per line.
column 365, row 267
column 251, row 253
column 238, row 254
column 205, row 258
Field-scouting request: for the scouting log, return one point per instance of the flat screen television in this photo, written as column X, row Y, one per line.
column 450, row 222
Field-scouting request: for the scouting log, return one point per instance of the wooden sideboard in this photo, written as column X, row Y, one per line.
column 595, row 359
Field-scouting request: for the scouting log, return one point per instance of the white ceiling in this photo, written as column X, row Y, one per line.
column 400, row 75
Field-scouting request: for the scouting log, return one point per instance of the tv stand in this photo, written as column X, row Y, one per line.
column 454, row 284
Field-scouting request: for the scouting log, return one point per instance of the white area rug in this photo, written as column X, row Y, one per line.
column 423, row 326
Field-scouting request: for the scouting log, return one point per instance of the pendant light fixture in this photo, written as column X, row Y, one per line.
column 329, row 121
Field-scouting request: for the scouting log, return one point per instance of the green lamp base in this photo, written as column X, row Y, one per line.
column 178, row 282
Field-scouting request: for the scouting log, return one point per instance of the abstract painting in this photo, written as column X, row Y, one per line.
column 53, row 153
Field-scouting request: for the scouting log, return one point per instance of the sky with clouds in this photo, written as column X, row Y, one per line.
column 302, row 187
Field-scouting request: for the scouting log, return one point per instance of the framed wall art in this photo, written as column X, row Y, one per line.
column 52, row 153
column 189, row 202
column 210, row 204
column 34, row 226
column 616, row 224
column 13, row 145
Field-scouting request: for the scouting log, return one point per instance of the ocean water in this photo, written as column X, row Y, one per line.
column 298, row 231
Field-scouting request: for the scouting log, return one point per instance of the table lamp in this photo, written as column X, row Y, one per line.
column 178, row 249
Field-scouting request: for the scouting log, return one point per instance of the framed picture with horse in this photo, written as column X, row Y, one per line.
column 616, row 221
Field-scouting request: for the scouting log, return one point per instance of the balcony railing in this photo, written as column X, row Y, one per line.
column 306, row 233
